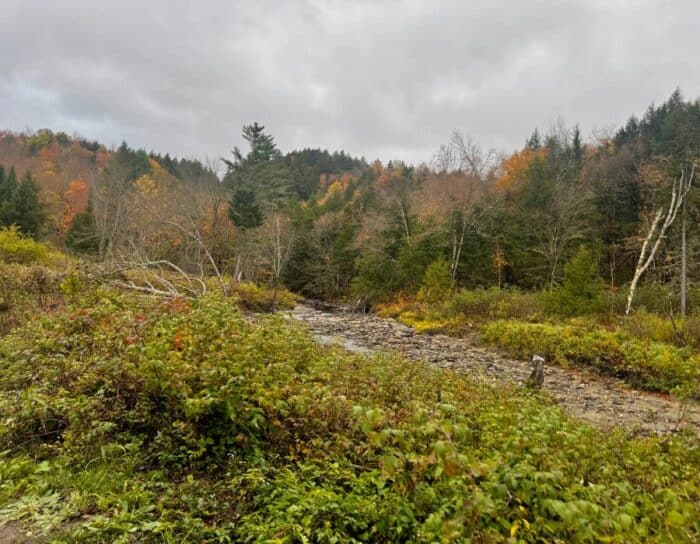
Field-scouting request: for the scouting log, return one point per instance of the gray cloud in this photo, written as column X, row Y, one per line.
column 387, row 79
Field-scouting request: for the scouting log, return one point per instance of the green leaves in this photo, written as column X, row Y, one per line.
column 211, row 427
column 651, row 365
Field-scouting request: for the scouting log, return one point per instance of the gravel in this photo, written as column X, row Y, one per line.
column 602, row 401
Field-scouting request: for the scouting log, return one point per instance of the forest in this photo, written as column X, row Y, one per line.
column 153, row 387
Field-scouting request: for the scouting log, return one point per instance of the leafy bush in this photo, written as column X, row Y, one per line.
column 16, row 248
column 643, row 363
column 493, row 304
column 437, row 283
column 261, row 299
column 694, row 299
column 681, row 332
column 375, row 279
column 654, row 297
column 642, row 324
column 25, row 292
column 127, row 419
column 402, row 303
column 691, row 330
column 461, row 312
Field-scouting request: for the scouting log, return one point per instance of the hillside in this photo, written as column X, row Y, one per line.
column 155, row 386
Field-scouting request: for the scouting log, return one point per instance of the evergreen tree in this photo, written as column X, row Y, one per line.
column 20, row 204
column 577, row 147
column 82, row 233
column 30, row 211
column 257, row 181
column 135, row 163
column 534, row 142
column 262, row 146
column 582, row 289
column 244, row 209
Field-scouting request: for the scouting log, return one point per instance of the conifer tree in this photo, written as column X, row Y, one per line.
column 257, row 181
column 82, row 233
column 20, row 204
column 30, row 211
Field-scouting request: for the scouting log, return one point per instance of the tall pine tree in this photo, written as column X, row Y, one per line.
column 258, row 181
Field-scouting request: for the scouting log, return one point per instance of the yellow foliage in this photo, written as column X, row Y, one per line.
column 146, row 185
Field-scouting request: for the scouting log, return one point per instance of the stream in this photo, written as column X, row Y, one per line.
column 601, row 401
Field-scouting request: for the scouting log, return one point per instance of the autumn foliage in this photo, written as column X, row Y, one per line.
column 515, row 166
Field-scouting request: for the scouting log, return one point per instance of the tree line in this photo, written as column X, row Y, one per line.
column 333, row 226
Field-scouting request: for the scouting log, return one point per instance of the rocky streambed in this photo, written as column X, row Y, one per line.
column 602, row 401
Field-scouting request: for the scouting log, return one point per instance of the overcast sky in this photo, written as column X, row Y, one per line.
column 383, row 79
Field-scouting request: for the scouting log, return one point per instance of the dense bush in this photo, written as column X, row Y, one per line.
column 127, row 419
column 16, row 248
column 681, row 332
column 642, row 324
column 644, row 363
column 261, row 299
column 581, row 292
column 437, row 283
column 480, row 304
column 463, row 311
column 656, row 298
column 25, row 292
column 691, row 330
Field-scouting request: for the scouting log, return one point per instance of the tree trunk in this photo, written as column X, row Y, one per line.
column 684, row 262
column 643, row 262
column 678, row 193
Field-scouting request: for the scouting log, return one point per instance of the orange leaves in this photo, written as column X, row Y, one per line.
column 515, row 167
column 180, row 340
column 75, row 201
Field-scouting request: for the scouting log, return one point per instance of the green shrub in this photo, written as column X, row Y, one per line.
column 394, row 308
column 655, row 298
column 691, row 330
column 9, row 286
column 680, row 332
column 693, row 299
column 581, row 292
column 16, row 248
column 474, row 303
column 128, row 419
column 643, row 363
column 375, row 279
column 262, row 299
column 25, row 292
column 644, row 325
column 493, row 303
column 437, row 283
